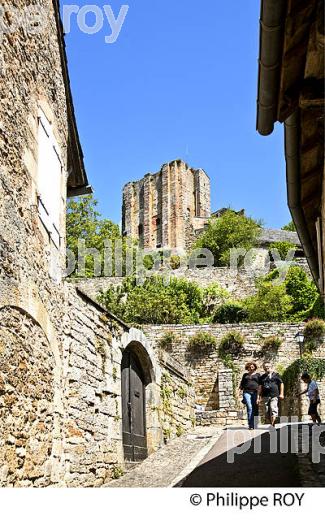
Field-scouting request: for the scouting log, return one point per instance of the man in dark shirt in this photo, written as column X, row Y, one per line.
column 271, row 389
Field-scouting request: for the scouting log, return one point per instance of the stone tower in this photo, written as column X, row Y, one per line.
column 166, row 208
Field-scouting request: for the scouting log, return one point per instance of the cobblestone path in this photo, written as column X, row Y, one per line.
column 172, row 462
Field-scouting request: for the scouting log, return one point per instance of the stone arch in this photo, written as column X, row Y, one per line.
column 136, row 341
column 27, row 366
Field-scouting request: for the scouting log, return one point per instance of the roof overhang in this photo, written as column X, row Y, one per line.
column 77, row 180
column 291, row 90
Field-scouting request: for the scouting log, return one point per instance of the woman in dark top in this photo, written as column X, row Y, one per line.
column 249, row 386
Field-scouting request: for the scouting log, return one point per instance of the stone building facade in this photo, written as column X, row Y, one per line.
column 62, row 418
column 162, row 209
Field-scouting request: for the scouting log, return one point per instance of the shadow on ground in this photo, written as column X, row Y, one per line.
column 249, row 469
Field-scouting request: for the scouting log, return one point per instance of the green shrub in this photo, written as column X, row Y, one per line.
column 230, row 313
column 270, row 304
column 272, row 342
column 314, row 333
column 289, row 227
column 271, row 345
column 167, row 341
column 231, row 230
column 155, row 302
column 175, row 262
column 302, row 290
column 213, row 296
column 231, row 345
column 282, row 248
column 304, row 301
column 317, row 310
column 117, row 472
column 202, row 342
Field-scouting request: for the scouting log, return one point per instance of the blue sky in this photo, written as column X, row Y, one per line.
column 179, row 82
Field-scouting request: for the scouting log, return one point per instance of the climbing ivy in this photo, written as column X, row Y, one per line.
column 181, row 392
column 231, row 346
column 314, row 367
column 179, row 430
column 166, row 392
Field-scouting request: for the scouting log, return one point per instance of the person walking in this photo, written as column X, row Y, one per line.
column 271, row 389
column 313, row 395
column 249, row 386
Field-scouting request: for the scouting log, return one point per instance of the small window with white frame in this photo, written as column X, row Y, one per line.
column 49, row 179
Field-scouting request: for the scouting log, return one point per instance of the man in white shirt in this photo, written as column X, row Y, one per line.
column 313, row 395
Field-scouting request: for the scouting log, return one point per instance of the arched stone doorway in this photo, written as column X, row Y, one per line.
column 140, row 380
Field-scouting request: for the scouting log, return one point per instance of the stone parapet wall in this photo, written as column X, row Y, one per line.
column 221, row 418
column 240, row 283
column 206, row 367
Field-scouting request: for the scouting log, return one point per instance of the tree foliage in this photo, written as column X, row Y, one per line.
column 213, row 297
column 271, row 303
column 282, row 248
column 230, row 231
column 302, row 290
column 84, row 222
column 289, row 227
column 292, row 300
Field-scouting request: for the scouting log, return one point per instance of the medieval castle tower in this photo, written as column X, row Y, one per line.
column 165, row 209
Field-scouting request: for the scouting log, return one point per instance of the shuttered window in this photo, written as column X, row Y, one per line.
column 49, row 179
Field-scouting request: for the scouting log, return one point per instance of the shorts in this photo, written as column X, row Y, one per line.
column 312, row 410
column 271, row 406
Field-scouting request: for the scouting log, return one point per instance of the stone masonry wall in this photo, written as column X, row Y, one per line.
column 176, row 413
column 26, row 402
column 93, row 349
column 240, row 284
column 31, row 301
column 206, row 368
column 92, row 394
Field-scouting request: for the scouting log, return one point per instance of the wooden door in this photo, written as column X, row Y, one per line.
column 133, row 408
